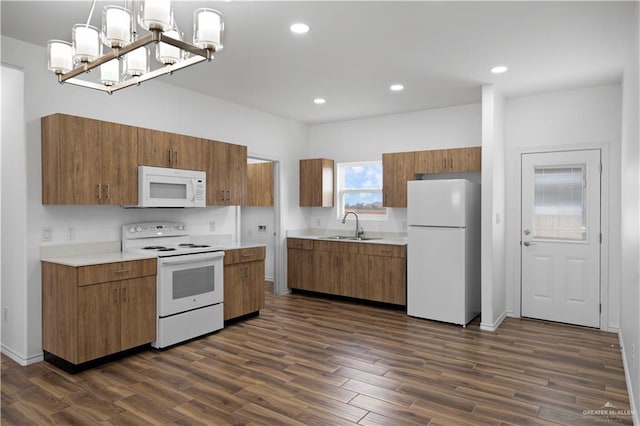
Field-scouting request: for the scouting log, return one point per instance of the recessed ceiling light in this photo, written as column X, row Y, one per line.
column 319, row 101
column 299, row 28
column 499, row 69
column 396, row 87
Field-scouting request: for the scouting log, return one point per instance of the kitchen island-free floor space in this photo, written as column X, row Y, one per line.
column 308, row 360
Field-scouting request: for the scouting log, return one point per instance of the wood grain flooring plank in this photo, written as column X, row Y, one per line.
column 314, row 416
column 372, row 379
column 337, row 408
column 149, row 410
column 399, row 413
column 403, row 399
column 265, row 416
column 197, row 413
column 266, row 397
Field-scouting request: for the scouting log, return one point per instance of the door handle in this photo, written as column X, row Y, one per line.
column 99, row 191
column 527, row 244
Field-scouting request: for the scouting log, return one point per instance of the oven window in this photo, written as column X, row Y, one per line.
column 174, row 191
column 192, row 282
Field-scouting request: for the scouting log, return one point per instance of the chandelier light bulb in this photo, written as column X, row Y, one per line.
column 137, row 62
column 155, row 14
column 207, row 29
column 116, row 26
column 60, row 56
column 110, row 72
column 166, row 53
column 86, row 44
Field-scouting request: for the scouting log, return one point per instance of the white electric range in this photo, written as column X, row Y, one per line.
column 190, row 281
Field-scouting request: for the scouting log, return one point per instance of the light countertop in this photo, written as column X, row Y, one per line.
column 85, row 254
column 321, row 235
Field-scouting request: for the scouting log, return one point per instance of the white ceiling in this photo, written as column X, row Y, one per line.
column 440, row 51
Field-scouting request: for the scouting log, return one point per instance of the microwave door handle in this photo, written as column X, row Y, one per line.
column 192, row 197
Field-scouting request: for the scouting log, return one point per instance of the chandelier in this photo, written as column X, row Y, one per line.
column 126, row 61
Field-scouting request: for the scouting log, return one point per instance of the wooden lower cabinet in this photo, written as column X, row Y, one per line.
column 243, row 281
column 85, row 318
column 374, row 272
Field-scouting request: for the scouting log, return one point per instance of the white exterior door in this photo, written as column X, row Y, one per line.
column 561, row 236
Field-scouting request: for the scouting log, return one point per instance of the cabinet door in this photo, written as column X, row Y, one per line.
column 215, row 159
column 188, row 152
column 398, row 168
column 324, row 272
column 98, row 320
column 435, row 161
column 138, row 311
column 71, row 157
column 236, row 168
column 233, row 282
column 465, row 159
column 154, row 148
column 260, row 185
column 300, row 269
column 387, row 280
column 119, row 164
column 316, row 183
column 254, row 287
column 352, row 275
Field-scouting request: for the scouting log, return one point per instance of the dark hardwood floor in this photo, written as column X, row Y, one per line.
column 315, row 361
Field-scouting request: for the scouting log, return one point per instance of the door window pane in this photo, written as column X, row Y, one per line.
column 559, row 205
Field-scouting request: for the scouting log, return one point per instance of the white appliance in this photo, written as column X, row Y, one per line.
column 190, row 280
column 164, row 187
column 443, row 253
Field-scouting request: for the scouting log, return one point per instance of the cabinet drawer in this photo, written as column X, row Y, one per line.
column 243, row 255
column 336, row 246
column 116, row 271
column 299, row 243
column 388, row 250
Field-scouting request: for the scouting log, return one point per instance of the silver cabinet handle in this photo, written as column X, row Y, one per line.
column 108, row 192
column 122, row 271
column 117, row 294
column 170, row 154
column 99, row 191
column 222, row 199
column 527, row 244
column 175, row 154
column 451, row 163
column 126, row 294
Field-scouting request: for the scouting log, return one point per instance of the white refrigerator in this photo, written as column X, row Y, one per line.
column 443, row 252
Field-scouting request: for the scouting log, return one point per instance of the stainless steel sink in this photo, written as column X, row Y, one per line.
column 349, row 238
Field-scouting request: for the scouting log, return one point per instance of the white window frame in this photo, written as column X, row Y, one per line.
column 341, row 191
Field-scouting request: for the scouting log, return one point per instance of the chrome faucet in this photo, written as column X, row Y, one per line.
column 359, row 231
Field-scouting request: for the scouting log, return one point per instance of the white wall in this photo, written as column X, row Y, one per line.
column 573, row 119
column 154, row 105
column 14, row 219
column 630, row 221
column 251, row 218
column 366, row 140
column 493, row 208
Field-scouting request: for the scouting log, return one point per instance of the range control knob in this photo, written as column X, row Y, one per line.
column 180, row 227
column 132, row 230
column 138, row 229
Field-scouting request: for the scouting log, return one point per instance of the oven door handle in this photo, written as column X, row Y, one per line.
column 191, row 258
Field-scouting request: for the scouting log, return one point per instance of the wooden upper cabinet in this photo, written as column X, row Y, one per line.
column 260, row 184
column 164, row 149
column 455, row 160
column 86, row 161
column 226, row 173
column 316, row 183
column 397, row 169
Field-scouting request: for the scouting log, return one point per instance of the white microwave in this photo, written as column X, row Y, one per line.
column 164, row 187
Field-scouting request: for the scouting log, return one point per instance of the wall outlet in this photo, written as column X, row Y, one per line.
column 71, row 233
column 47, row 233
column 5, row 314
column 212, row 225
column 262, row 228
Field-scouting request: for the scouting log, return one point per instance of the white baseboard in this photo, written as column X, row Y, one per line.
column 19, row 359
column 627, row 377
column 493, row 327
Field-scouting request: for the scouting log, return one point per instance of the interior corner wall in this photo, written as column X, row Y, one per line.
column 155, row 105
column 493, row 208
column 630, row 221
column 13, row 216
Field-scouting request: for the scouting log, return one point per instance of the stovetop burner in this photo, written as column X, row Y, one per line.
column 153, row 247
column 167, row 249
column 192, row 245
